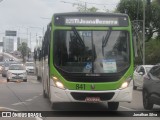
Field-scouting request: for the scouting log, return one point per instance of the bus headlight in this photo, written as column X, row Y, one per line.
column 58, row 83
column 125, row 84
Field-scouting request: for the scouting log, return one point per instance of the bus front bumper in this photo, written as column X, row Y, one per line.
column 60, row 95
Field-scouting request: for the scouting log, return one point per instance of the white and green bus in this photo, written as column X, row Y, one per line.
column 88, row 57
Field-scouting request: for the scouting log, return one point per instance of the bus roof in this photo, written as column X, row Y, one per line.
column 89, row 13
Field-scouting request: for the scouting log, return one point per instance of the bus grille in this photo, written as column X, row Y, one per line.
column 92, row 78
column 102, row 96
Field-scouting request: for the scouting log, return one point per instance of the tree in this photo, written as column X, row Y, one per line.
column 152, row 20
column 134, row 8
column 24, row 50
column 83, row 8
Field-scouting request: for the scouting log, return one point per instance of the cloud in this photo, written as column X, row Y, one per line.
column 32, row 12
column 20, row 14
column 24, row 12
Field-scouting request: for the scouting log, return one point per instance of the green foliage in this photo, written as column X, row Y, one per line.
column 134, row 8
column 84, row 8
column 24, row 50
column 153, row 51
column 152, row 20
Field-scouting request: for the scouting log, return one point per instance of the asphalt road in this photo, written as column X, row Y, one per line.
column 27, row 96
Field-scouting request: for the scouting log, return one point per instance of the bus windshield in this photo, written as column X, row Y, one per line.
column 91, row 51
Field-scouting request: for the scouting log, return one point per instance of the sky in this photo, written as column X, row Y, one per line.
column 30, row 17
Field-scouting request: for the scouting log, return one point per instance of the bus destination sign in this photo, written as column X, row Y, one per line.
column 91, row 21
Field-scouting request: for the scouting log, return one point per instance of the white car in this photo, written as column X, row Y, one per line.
column 16, row 72
column 138, row 75
column 30, row 67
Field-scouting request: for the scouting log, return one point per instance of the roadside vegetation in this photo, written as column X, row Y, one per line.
column 25, row 50
column 134, row 8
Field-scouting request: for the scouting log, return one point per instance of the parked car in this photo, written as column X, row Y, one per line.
column 16, row 72
column 138, row 75
column 30, row 67
column 151, row 88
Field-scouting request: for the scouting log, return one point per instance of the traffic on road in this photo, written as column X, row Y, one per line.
column 28, row 96
column 79, row 58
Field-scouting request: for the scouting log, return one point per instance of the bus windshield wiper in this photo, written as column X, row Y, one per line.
column 105, row 40
column 78, row 37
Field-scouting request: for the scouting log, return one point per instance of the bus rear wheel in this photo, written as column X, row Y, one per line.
column 113, row 105
column 44, row 94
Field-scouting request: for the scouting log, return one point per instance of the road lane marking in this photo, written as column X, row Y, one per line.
column 29, row 100
column 127, row 108
column 19, row 103
column 5, row 108
column 35, row 97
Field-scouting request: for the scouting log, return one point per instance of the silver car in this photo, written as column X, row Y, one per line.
column 5, row 67
column 30, row 67
column 139, row 74
column 16, row 72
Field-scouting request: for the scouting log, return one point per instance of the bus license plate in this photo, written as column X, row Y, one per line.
column 92, row 99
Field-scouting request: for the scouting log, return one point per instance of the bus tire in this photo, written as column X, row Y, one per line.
column 44, row 94
column 134, row 87
column 113, row 105
column 38, row 78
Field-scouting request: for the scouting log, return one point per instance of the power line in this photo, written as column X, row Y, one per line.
column 88, row 3
column 96, row 3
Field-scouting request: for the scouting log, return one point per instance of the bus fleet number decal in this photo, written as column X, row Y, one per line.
column 80, row 86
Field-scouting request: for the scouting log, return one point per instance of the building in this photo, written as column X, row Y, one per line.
column 1, row 47
column 8, row 44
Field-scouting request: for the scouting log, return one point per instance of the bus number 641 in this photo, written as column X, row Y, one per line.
column 80, row 86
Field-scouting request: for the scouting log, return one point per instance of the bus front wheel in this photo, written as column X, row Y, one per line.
column 113, row 105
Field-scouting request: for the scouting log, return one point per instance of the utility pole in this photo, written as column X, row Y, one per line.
column 85, row 7
column 144, row 32
column 36, row 41
column 30, row 42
